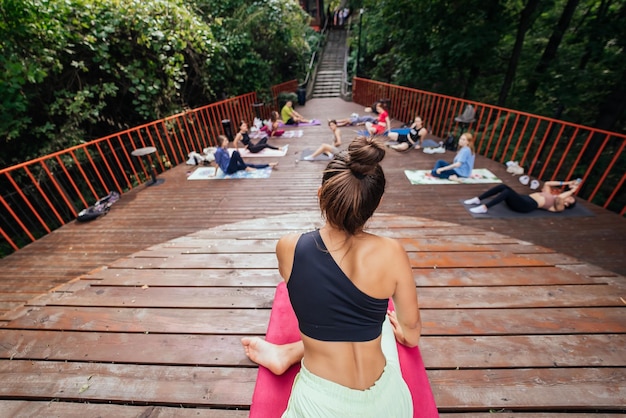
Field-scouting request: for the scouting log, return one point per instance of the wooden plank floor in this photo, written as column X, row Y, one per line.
column 149, row 303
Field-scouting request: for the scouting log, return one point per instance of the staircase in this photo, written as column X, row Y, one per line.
column 330, row 71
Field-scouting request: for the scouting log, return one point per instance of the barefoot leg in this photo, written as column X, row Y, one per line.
column 277, row 358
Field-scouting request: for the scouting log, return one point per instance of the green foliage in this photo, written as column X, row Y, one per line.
column 75, row 70
column 463, row 49
column 265, row 42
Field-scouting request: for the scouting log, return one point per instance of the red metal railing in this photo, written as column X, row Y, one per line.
column 547, row 148
column 40, row 195
column 43, row 194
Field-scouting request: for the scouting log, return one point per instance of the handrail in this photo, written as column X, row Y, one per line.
column 40, row 195
column 346, row 84
column 548, row 148
column 314, row 55
column 43, row 194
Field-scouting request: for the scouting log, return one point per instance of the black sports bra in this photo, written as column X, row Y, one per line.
column 329, row 307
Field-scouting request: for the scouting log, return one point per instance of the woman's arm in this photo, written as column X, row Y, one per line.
column 556, row 183
column 238, row 139
column 406, row 321
column 337, row 141
column 285, row 252
column 572, row 184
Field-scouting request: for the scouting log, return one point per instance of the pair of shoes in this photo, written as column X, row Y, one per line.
column 437, row 150
column 479, row 209
column 472, row 201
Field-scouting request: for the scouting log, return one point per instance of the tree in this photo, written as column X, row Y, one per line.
column 525, row 21
column 549, row 54
column 72, row 71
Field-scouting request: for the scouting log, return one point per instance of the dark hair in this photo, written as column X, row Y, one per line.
column 274, row 116
column 332, row 121
column 353, row 184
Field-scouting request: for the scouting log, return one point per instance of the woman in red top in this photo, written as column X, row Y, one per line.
column 382, row 125
column 272, row 127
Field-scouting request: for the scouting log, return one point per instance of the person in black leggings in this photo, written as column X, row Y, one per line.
column 243, row 137
column 545, row 199
column 230, row 164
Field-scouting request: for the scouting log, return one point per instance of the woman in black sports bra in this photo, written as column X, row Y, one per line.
column 340, row 279
column 243, row 137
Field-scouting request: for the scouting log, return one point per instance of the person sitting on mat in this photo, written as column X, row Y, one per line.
column 272, row 128
column 328, row 149
column 382, row 124
column 243, row 137
column 545, row 199
column 290, row 116
column 230, row 164
column 412, row 139
column 463, row 162
column 339, row 282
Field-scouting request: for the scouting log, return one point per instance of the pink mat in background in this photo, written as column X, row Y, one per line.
column 314, row 122
column 271, row 392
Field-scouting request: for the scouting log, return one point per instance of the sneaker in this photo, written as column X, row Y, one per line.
column 534, row 185
column 439, row 150
column 472, row 201
column 524, row 180
column 308, row 158
column 429, row 150
column 479, row 209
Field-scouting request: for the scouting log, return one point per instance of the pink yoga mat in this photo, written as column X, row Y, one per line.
column 271, row 392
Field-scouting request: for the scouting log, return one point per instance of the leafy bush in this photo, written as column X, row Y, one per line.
column 77, row 70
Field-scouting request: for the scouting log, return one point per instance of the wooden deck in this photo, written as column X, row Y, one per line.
column 140, row 313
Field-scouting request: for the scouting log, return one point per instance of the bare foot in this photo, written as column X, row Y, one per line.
column 454, row 177
column 401, row 147
column 273, row 165
column 249, row 169
column 265, row 354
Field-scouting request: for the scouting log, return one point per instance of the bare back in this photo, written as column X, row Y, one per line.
column 378, row 267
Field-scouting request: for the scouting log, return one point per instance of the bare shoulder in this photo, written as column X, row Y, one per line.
column 285, row 252
column 287, row 242
column 389, row 247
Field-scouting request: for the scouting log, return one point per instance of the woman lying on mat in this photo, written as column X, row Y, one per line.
column 339, row 282
column 545, row 199
column 463, row 162
column 230, row 164
column 412, row 139
column 328, row 149
column 272, row 128
column 243, row 138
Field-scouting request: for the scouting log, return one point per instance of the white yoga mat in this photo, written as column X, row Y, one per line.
column 207, row 173
column 479, row 175
column 297, row 133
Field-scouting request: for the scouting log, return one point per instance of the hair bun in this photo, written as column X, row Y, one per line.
column 364, row 155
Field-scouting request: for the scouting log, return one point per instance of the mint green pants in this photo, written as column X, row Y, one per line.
column 313, row 396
